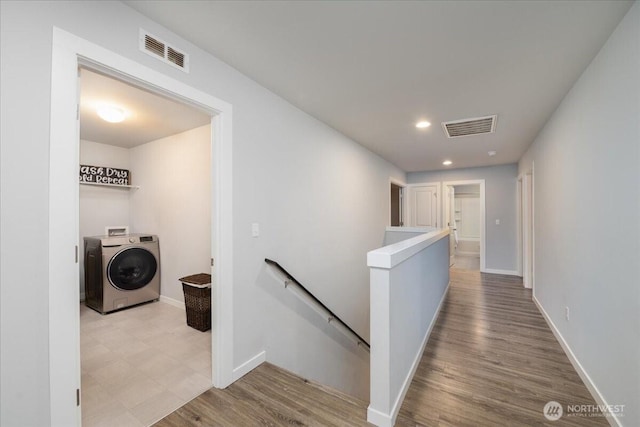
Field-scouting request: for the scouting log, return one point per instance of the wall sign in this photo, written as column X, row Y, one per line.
column 104, row 175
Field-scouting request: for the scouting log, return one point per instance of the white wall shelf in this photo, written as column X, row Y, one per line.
column 136, row 187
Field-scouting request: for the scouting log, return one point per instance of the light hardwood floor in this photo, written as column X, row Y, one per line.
column 491, row 361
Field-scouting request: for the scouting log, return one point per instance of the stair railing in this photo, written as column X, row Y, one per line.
column 307, row 296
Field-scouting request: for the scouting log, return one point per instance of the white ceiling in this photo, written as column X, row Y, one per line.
column 148, row 116
column 371, row 69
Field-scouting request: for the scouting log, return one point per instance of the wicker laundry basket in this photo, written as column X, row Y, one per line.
column 197, row 300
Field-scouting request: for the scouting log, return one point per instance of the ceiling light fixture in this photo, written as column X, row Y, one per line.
column 447, row 162
column 423, row 124
column 111, row 114
column 491, row 153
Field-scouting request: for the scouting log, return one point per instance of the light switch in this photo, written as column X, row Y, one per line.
column 255, row 229
column 497, row 222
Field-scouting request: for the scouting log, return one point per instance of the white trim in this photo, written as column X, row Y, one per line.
column 397, row 182
column 388, row 420
column 525, row 222
column 584, row 376
column 533, row 231
column 378, row 418
column 498, row 271
column 249, row 365
column 172, row 301
column 519, row 239
column 68, row 52
column 483, row 215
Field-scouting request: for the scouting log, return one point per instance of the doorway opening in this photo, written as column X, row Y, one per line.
column 464, row 212
column 141, row 348
column 69, row 53
column 397, row 213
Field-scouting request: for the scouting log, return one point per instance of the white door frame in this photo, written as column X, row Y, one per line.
column 520, row 237
column 68, row 52
column 525, row 228
column 533, row 231
column 409, row 202
column 483, row 223
column 447, row 217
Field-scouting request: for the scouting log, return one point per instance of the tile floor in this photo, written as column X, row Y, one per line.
column 140, row 364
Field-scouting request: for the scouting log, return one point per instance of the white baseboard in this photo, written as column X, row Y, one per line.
column 381, row 419
column 173, row 302
column 595, row 393
column 497, row 271
column 249, row 365
column 378, row 418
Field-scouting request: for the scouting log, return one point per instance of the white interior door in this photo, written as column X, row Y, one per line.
column 425, row 206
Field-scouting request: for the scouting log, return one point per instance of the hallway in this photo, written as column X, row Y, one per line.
column 491, row 360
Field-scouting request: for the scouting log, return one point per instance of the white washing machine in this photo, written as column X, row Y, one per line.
column 121, row 271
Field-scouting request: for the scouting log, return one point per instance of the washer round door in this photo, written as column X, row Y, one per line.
column 132, row 268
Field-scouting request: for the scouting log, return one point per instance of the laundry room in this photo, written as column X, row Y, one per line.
column 145, row 192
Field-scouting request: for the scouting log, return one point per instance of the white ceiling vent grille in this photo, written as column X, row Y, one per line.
column 467, row 127
column 159, row 49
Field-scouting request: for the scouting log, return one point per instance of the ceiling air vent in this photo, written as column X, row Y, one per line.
column 467, row 127
column 159, row 49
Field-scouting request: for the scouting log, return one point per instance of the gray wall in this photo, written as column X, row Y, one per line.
column 587, row 218
column 500, row 203
column 321, row 199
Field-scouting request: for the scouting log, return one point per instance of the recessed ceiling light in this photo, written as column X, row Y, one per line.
column 111, row 114
column 423, row 124
column 491, row 153
column 447, row 162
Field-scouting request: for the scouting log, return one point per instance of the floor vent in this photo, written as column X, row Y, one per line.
column 159, row 49
column 467, row 127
